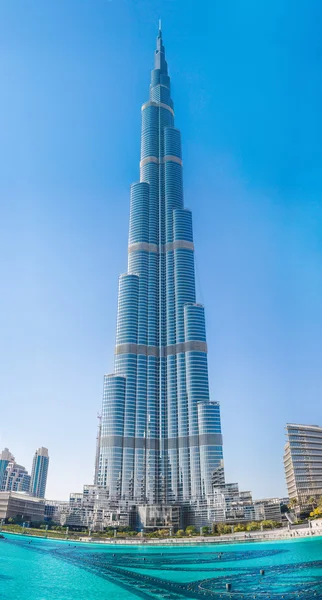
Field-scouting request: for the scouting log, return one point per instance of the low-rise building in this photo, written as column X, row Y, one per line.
column 54, row 509
column 93, row 509
column 266, row 510
column 21, row 507
column 158, row 516
column 231, row 505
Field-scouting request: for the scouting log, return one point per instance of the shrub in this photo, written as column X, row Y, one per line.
column 163, row 532
column 205, row 530
column 239, row 527
column 254, row 526
column 276, row 524
column 222, row 528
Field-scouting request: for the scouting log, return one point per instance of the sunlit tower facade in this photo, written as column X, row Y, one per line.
column 161, row 440
column 39, row 473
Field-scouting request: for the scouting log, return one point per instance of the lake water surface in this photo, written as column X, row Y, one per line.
column 36, row 569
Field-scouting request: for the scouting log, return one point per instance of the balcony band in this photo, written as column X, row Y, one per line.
column 177, row 245
column 164, row 159
column 143, row 246
column 160, row 85
column 158, row 105
column 189, row 441
column 172, row 349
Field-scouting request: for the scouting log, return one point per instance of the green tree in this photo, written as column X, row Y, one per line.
column 205, row 530
column 152, row 534
column 109, row 534
column 11, row 521
column 293, row 503
column 191, row 530
column 276, row 524
column 180, row 533
column 267, row 524
column 253, row 526
column 222, row 528
column 123, row 528
column 163, row 532
column 239, row 527
column 36, row 524
column 312, row 500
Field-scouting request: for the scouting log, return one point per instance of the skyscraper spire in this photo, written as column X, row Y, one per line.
column 161, row 435
column 160, row 62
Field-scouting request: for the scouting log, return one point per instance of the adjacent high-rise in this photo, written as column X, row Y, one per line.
column 5, row 458
column 303, row 461
column 39, row 473
column 13, row 477
column 161, row 440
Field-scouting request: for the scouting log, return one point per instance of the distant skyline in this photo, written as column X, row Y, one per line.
column 247, row 90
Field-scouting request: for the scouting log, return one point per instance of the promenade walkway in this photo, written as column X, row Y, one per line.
column 284, row 533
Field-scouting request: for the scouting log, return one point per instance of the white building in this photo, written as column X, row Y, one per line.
column 303, row 461
column 15, row 478
column 232, row 505
column 54, row 509
column 268, row 510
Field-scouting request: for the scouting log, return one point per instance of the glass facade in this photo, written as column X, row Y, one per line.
column 5, row 458
column 161, row 436
column 3, row 471
column 39, row 473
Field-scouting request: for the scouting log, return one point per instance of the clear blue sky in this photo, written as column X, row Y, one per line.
column 247, row 86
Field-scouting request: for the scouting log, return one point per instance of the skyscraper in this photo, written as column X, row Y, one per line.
column 161, row 439
column 5, row 458
column 303, row 461
column 15, row 478
column 39, row 473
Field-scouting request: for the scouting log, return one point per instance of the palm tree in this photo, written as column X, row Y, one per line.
column 312, row 501
column 293, row 502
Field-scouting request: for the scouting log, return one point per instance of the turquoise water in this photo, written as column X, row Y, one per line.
column 35, row 569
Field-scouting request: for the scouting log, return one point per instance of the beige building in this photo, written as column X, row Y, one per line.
column 19, row 505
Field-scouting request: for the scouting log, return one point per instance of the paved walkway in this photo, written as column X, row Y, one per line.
column 254, row 536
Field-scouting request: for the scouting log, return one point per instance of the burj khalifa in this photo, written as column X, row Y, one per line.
column 160, row 439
